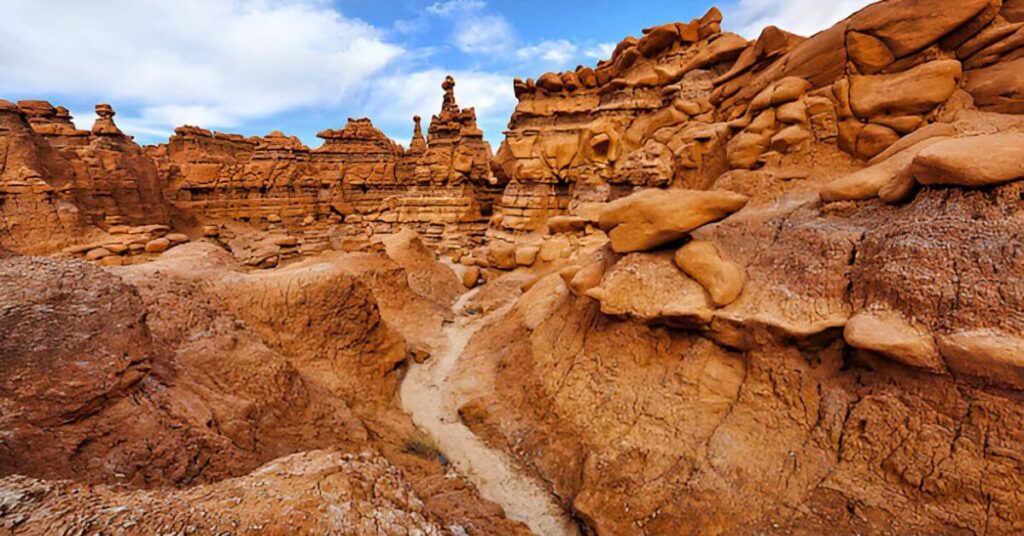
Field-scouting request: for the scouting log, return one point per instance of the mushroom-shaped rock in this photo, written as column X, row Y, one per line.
column 104, row 125
column 651, row 218
column 975, row 161
column 889, row 334
column 709, row 266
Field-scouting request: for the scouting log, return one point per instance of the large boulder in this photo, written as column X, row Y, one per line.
column 866, row 183
column 974, row 161
column 916, row 90
column 998, row 88
column 651, row 218
column 908, row 26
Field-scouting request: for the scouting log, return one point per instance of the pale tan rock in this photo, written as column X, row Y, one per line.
column 176, row 238
column 97, row 254
column 998, row 88
column 648, row 287
column 973, row 162
column 899, row 189
column 566, row 224
column 866, row 183
column 791, row 113
column 709, row 266
column 158, row 245
column 873, row 139
column 916, row 90
column 908, row 26
column 789, row 138
column 746, row 148
column 889, row 334
column 990, row 355
column 650, row 218
column 502, row 255
column 526, row 255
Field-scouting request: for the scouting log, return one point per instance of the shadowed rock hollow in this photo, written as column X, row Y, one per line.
column 707, row 286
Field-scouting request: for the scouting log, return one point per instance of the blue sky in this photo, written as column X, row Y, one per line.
column 299, row 66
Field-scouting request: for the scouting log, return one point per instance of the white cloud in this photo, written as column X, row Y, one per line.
column 554, row 54
column 804, row 17
column 452, row 6
column 484, row 34
column 600, row 51
column 213, row 62
column 395, row 99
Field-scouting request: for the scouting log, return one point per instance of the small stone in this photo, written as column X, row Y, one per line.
column 158, row 245
column 526, row 255
column 709, row 266
column 470, row 276
column 176, row 238
column 97, row 254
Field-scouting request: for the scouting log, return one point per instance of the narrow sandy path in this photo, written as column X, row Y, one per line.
column 424, row 397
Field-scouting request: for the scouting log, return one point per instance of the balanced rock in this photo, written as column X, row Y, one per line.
column 651, row 218
column 975, row 161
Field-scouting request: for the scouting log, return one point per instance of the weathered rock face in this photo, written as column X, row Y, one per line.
column 59, row 184
column 357, row 185
column 686, row 103
column 651, row 410
column 186, row 371
column 841, row 353
column 380, row 500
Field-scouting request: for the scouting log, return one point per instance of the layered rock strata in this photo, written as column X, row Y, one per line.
column 59, row 184
column 358, row 184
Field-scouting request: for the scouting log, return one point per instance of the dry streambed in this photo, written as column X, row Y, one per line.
column 425, row 396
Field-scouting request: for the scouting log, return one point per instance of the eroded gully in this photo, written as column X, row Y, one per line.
column 425, row 396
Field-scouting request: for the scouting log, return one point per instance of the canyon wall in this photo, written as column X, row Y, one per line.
column 687, row 105
column 793, row 297
column 358, row 184
column 59, row 184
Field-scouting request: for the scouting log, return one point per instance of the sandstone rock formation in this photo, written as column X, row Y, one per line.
column 59, row 184
column 708, row 286
column 441, row 186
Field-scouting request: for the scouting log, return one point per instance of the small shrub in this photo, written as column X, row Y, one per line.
column 423, row 445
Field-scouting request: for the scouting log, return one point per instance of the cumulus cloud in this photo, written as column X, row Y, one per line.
column 215, row 62
column 453, row 6
column 484, row 34
column 552, row 54
column 600, row 51
column 804, row 17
